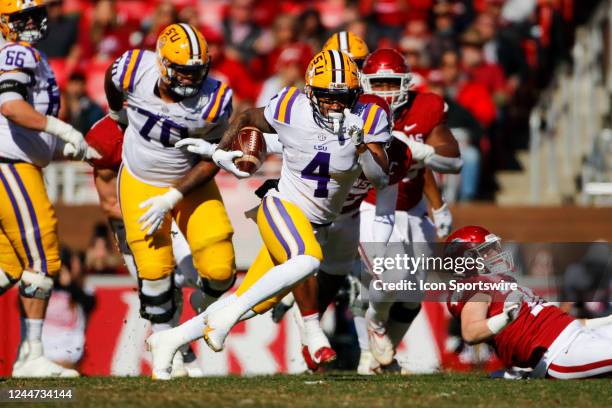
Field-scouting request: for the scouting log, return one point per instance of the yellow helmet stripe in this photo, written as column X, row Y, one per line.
column 127, row 81
column 194, row 45
column 216, row 105
column 372, row 116
column 283, row 111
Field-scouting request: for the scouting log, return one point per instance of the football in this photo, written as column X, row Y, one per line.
column 251, row 142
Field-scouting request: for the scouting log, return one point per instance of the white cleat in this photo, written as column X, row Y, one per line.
column 162, row 351
column 218, row 325
column 178, row 366
column 31, row 363
column 381, row 345
column 365, row 363
column 185, row 364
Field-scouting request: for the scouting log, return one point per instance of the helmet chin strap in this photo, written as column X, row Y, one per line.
column 337, row 118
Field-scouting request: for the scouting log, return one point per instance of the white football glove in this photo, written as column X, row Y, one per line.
column 225, row 159
column 420, row 151
column 79, row 154
column 119, row 116
column 197, row 146
column 443, row 220
column 70, row 135
column 354, row 127
column 158, row 208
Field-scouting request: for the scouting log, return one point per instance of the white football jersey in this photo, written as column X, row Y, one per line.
column 319, row 167
column 22, row 63
column 155, row 126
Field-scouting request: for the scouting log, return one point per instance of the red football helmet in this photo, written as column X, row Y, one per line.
column 477, row 242
column 386, row 63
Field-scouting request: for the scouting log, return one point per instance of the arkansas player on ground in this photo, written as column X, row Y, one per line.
column 525, row 330
column 419, row 123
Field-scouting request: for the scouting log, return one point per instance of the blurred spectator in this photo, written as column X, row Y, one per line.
column 471, row 95
column 468, row 132
column 334, row 13
column 107, row 35
column 311, row 29
column 164, row 15
column 502, row 47
column 232, row 72
column 67, row 314
column 443, row 37
column 290, row 66
column 287, row 46
column 99, row 256
column 388, row 16
column 481, row 72
column 62, row 33
column 79, row 109
column 240, row 32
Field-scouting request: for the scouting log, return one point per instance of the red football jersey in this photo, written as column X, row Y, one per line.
column 523, row 342
column 417, row 118
column 106, row 136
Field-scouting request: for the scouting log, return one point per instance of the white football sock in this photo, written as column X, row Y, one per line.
column 193, row 329
column 362, row 332
column 275, row 281
column 33, row 329
column 377, row 316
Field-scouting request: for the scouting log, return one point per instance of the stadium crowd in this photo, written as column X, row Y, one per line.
column 489, row 58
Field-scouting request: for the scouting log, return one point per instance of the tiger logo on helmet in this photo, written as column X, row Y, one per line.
column 183, row 59
column 332, row 85
column 23, row 20
column 349, row 43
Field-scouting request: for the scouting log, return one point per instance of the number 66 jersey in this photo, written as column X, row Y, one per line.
column 155, row 126
column 319, row 166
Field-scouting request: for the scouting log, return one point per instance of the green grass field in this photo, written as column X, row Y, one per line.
column 329, row 390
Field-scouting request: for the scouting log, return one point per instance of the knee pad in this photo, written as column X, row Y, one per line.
column 158, row 299
column 216, row 289
column 35, row 285
column 404, row 312
column 215, row 261
column 6, row 282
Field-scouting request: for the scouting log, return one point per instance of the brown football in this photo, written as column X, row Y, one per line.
column 251, row 142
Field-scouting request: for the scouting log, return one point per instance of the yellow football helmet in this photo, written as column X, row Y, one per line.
column 332, row 85
column 23, row 20
column 182, row 55
column 349, row 43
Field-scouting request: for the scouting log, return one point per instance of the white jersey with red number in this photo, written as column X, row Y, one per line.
column 524, row 341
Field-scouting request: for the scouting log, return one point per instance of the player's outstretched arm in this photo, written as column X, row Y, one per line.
column 114, row 96
column 442, row 217
column 440, row 152
column 250, row 117
column 476, row 328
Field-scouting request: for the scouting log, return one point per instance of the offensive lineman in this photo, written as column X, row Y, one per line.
column 170, row 97
column 31, row 136
column 327, row 139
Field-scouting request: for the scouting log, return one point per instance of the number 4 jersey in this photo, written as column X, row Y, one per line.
column 319, row 166
column 25, row 74
column 155, row 126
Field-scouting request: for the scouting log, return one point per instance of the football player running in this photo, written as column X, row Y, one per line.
column 106, row 136
column 169, row 97
column 31, row 137
column 419, row 123
column 525, row 331
column 327, row 140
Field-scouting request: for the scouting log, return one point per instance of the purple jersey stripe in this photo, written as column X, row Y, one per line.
column 131, row 87
column 366, row 112
column 37, row 237
column 296, row 235
column 125, row 67
column 372, row 129
column 275, row 228
column 280, row 102
column 212, row 100
column 24, row 241
column 290, row 105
